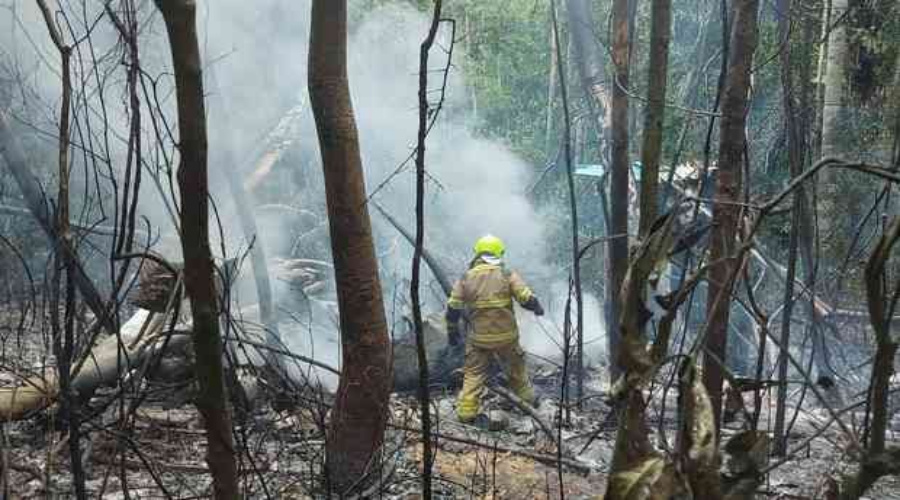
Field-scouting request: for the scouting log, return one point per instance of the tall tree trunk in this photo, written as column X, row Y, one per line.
column 726, row 213
column 551, row 88
column 589, row 62
column 573, row 219
column 64, row 338
column 831, row 202
column 247, row 220
column 360, row 409
column 795, row 148
column 878, row 461
column 835, row 80
column 881, row 309
column 894, row 112
column 654, row 115
column 425, row 113
column 212, row 401
column 618, row 187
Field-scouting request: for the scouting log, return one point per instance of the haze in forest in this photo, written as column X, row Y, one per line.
column 255, row 72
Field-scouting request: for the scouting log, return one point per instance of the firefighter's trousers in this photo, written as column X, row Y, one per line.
column 478, row 360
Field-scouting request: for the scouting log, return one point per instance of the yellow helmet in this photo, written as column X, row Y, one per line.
column 490, row 244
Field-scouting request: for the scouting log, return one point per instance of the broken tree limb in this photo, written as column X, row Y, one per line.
column 436, row 270
column 527, row 408
column 278, row 141
column 108, row 359
column 247, row 221
column 34, row 196
column 91, row 229
column 284, row 352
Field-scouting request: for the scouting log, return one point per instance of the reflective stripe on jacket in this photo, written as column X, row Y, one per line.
column 488, row 291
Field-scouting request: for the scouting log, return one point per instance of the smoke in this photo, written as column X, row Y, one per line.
column 476, row 185
column 255, row 56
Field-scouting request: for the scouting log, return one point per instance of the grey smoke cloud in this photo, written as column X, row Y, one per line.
column 255, row 56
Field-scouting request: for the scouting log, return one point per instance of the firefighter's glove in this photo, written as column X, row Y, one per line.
column 534, row 306
column 454, row 338
column 451, row 319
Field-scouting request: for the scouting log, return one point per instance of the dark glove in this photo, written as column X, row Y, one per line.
column 534, row 306
column 451, row 319
column 453, row 336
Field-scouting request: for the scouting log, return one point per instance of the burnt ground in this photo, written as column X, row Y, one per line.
column 158, row 449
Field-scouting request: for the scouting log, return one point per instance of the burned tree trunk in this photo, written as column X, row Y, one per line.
column 212, row 401
column 247, row 221
column 139, row 339
column 436, row 269
column 834, row 82
column 618, row 186
column 660, row 26
column 425, row 112
column 726, row 212
column 64, row 335
column 589, row 62
column 360, row 410
column 878, row 460
column 880, row 311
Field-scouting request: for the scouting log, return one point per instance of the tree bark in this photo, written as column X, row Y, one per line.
column 795, row 159
column 726, row 212
column 573, row 220
column 101, row 367
column 212, row 400
column 247, row 220
column 894, row 112
column 360, row 410
column 425, row 114
column 432, row 262
column 830, row 200
column 618, row 188
column 589, row 63
column 64, row 338
column 654, row 114
column 552, row 83
column 835, row 79
column 880, row 311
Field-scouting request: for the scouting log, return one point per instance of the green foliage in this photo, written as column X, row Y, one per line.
column 506, row 60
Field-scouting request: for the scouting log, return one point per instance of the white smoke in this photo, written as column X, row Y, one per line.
column 255, row 56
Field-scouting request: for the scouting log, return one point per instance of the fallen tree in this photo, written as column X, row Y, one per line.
column 143, row 336
column 140, row 339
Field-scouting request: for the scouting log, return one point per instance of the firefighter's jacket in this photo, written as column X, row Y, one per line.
column 487, row 290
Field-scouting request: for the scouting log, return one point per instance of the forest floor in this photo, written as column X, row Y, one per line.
column 158, row 450
column 162, row 456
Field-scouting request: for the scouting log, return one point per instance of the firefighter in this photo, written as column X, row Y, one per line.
column 487, row 291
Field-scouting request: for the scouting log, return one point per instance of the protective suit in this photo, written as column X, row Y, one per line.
column 487, row 291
